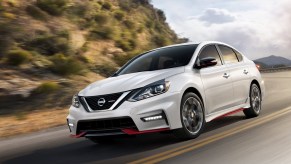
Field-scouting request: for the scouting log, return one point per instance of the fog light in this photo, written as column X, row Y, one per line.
column 70, row 124
column 153, row 118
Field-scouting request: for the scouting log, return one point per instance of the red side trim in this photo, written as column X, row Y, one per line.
column 230, row 113
column 130, row 131
column 78, row 135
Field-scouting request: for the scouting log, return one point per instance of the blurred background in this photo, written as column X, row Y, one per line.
column 51, row 49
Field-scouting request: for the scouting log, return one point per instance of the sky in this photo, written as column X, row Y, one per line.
column 258, row 28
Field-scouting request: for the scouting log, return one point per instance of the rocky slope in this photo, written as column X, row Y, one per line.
column 49, row 49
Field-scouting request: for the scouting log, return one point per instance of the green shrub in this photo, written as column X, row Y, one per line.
column 63, row 34
column 79, row 9
column 129, row 24
column 119, row 15
column 53, row 7
column 6, row 37
column 159, row 28
column 105, row 70
column 83, row 58
column 101, row 18
column 124, row 45
column 133, row 43
column 17, row 57
column 8, row 15
column 122, row 59
column 106, row 5
column 49, row 44
column 161, row 15
column 150, row 24
column 5, row 44
column 20, row 115
column 160, row 40
column 103, row 33
column 125, row 5
column 36, row 13
column 47, row 87
column 140, row 29
column 143, row 2
column 65, row 65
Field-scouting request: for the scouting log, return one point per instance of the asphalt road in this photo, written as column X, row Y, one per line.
column 233, row 139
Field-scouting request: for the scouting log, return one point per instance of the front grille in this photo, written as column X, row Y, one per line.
column 108, row 100
column 105, row 125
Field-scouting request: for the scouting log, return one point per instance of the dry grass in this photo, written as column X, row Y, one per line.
column 29, row 122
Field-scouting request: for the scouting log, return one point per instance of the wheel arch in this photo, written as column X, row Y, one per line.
column 254, row 81
column 193, row 90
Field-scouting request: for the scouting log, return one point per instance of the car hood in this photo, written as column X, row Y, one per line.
column 128, row 81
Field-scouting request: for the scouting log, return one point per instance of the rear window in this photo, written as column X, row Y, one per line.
column 163, row 58
column 228, row 55
column 239, row 56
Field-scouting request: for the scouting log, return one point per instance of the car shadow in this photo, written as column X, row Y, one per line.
column 84, row 151
column 222, row 122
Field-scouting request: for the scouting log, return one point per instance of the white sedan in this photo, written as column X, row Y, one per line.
column 177, row 88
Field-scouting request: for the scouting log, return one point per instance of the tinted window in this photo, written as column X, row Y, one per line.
column 160, row 59
column 238, row 55
column 228, row 55
column 210, row 51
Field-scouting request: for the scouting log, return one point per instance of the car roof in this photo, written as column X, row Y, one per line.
column 197, row 43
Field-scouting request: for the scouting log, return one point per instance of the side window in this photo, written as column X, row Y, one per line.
column 228, row 54
column 239, row 56
column 210, row 51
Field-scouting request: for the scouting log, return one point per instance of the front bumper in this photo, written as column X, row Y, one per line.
column 168, row 104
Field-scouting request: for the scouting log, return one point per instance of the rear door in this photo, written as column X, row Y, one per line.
column 239, row 73
column 216, row 81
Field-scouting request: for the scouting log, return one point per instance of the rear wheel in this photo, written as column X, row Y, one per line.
column 192, row 117
column 255, row 102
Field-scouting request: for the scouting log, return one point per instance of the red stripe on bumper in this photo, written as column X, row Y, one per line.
column 78, row 135
column 230, row 113
column 134, row 131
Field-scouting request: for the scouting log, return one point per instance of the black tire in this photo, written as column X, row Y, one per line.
column 184, row 132
column 101, row 140
column 255, row 103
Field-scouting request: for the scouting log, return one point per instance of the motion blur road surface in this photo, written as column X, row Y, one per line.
column 233, row 139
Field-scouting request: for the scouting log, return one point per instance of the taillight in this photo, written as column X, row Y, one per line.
column 258, row 66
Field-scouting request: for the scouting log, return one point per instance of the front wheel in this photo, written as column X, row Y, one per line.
column 255, row 102
column 192, row 117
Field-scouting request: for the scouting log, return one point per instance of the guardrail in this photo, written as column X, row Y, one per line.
column 276, row 69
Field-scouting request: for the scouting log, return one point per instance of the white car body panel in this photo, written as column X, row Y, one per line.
column 220, row 95
column 218, row 89
column 128, row 82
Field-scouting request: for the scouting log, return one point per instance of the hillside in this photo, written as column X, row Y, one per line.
column 49, row 49
column 273, row 61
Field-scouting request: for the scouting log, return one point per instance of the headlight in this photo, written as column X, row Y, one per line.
column 151, row 90
column 75, row 101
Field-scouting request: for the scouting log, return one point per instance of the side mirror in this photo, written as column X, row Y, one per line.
column 206, row 62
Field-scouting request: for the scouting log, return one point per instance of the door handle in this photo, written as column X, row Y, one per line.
column 246, row 72
column 226, row 75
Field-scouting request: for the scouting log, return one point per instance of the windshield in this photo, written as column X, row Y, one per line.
column 160, row 59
